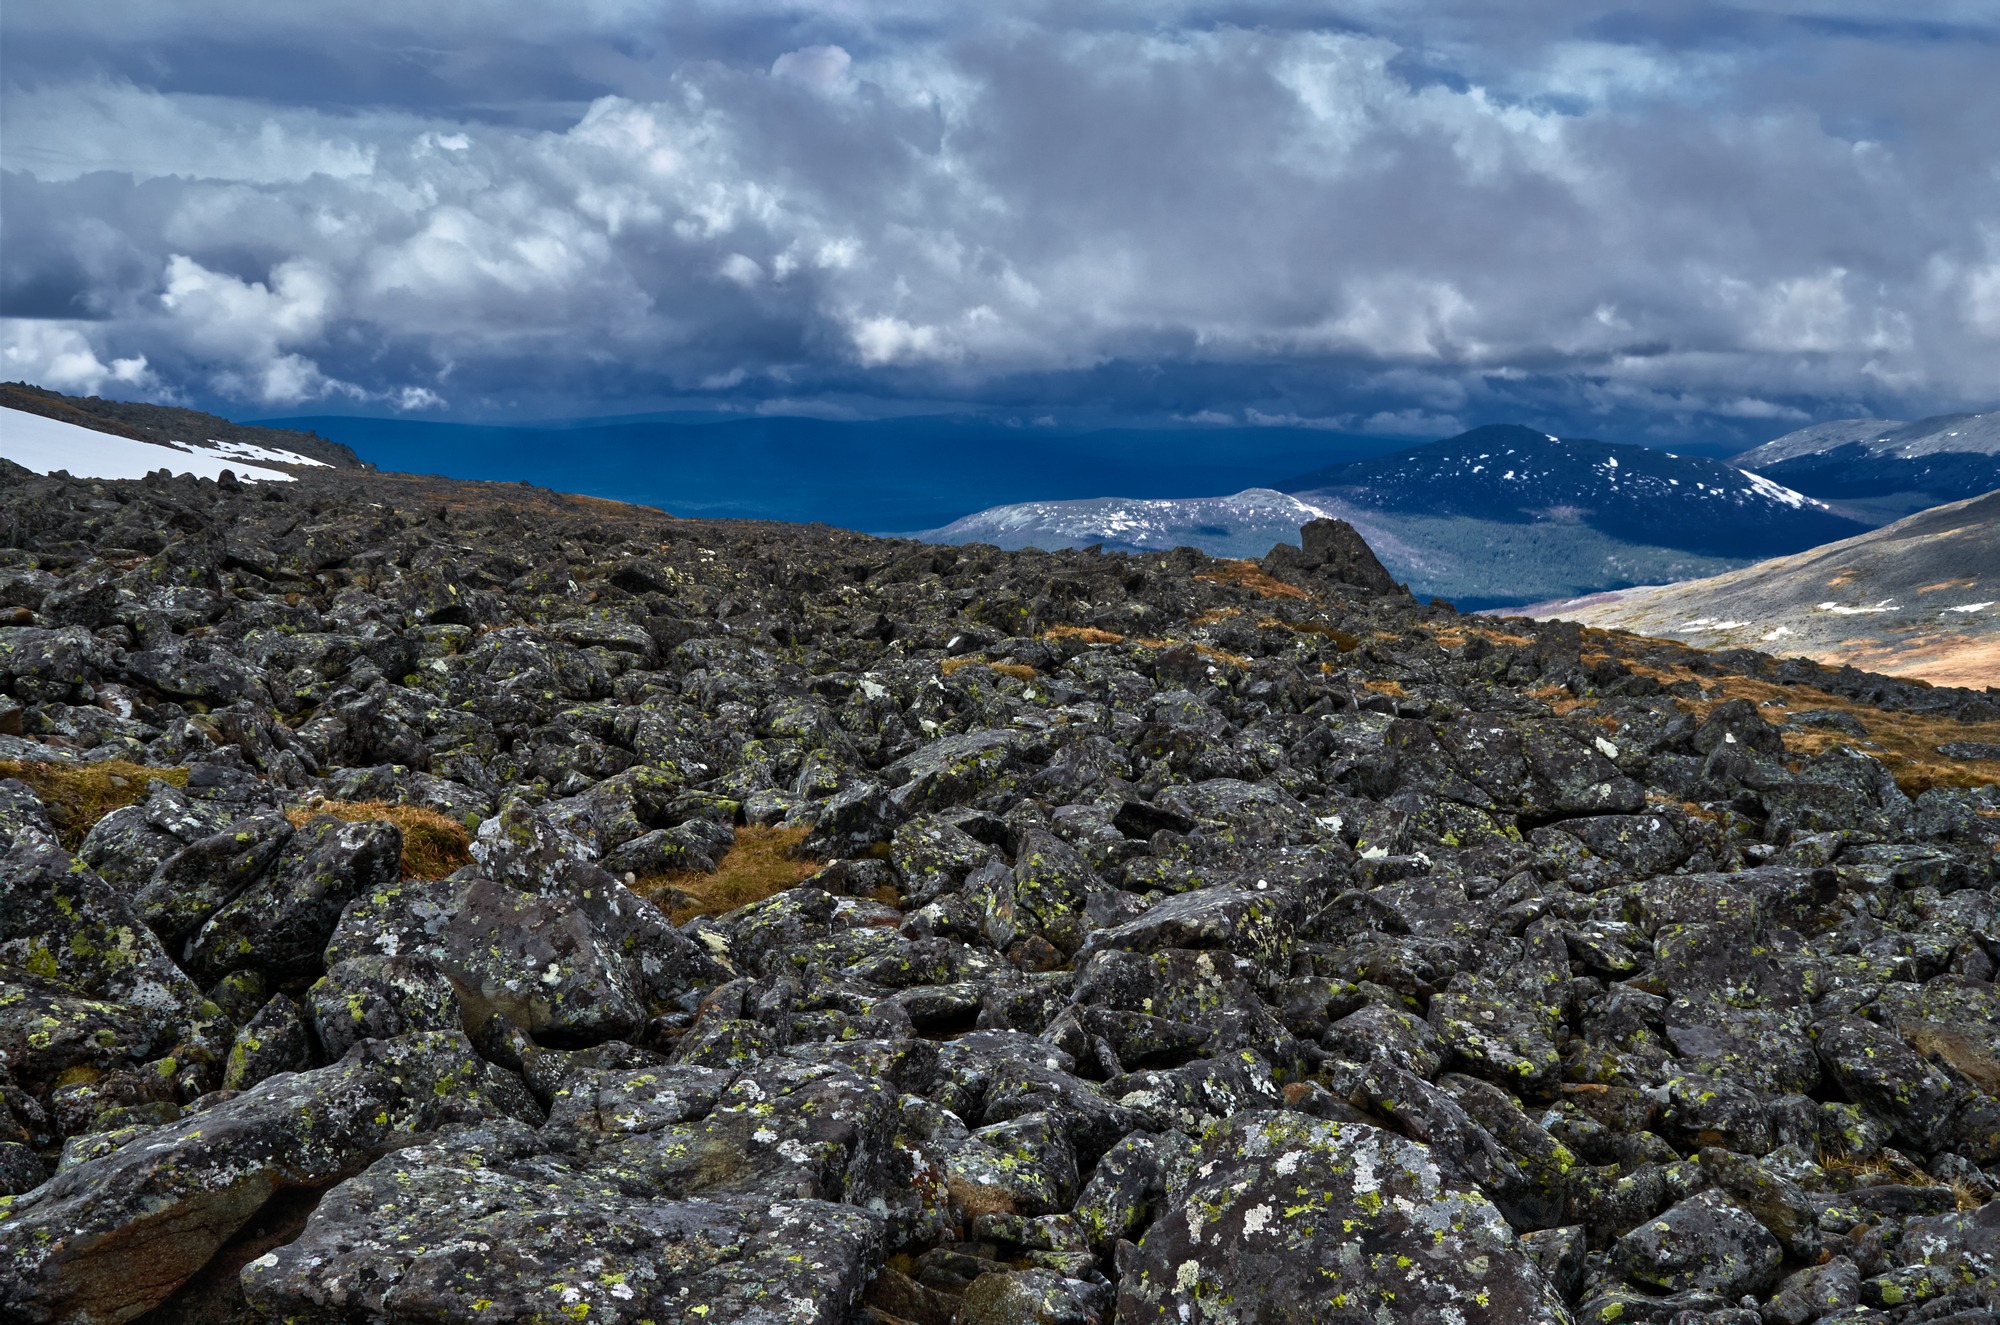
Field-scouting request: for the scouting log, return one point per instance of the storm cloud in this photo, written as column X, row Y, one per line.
column 1386, row 217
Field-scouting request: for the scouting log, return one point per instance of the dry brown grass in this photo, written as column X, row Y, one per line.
column 1455, row 635
column 1393, row 689
column 1019, row 671
column 1216, row 615
column 1088, row 634
column 1249, row 575
column 434, row 844
column 78, row 795
column 760, row 864
column 1208, row 651
column 1560, row 701
column 977, row 1201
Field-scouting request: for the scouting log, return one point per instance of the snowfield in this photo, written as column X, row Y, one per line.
column 45, row 445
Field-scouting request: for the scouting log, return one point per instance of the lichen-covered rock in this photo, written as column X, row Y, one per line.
column 486, row 1225
column 281, row 923
column 1257, row 924
column 1498, row 1034
column 1033, row 1297
column 202, row 877
column 377, row 998
column 274, row 1040
column 1288, row 1216
column 50, row 1030
column 111, row 1238
column 953, row 770
column 1814, row 1292
column 1879, row 1071
column 1707, row 1243
column 59, row 920
column 541, row 962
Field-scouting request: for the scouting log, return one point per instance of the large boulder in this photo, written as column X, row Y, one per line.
column 281, row 923
column 1289, row 1217
column 486, row 1226
column 1707, row 1243
column 111, row 1238
column 1331, row 549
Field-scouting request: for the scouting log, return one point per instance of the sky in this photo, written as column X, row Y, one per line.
column 1656, row 222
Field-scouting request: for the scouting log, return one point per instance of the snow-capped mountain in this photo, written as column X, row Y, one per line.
column 1973, row 434
column 1516, row 475
column 1246, row 524
column 1886, row 465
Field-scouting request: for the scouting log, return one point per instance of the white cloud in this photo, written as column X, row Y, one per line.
column 64, row 131
column 1413, row 217
column 821, row 68
column 60, row 356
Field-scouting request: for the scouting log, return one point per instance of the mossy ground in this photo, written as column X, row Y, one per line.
column 760, row 864
column 434, row 844
column 78, row 795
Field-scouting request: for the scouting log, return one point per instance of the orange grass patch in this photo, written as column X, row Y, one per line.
column 1249, row 575
column 434, row 844
column 1906, row 743
column 78, row 795
column 1088, row 634
column 759, row 864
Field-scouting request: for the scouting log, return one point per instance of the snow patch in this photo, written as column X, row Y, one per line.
column 45, row 445
column 1970, row 607
column 1838, row 609
column 1764, row 487
column 246, row 451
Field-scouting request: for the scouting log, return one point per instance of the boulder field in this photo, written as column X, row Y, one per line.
column 1137, row 938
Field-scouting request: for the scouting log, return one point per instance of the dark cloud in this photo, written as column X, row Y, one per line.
column 1687, row 220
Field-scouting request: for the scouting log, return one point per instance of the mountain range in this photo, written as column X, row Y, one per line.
column 1501, row 515
column 1883, row 468
column 1515, row 475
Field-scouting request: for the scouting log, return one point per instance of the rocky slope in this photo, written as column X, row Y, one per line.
column 1181, row 939
column 1920, row 597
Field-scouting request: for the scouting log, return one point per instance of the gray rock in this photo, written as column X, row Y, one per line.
column 273, row 1041
column 74, row 1243
column 487, row 1225
column 281, row 923
column 1288, row 1214
column 1707, row 1243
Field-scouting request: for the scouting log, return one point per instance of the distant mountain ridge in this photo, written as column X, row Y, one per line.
column 1244, row 524
column 1975, row 434
column 1496, row 516
column 1512, row 474
column 1882, row 467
